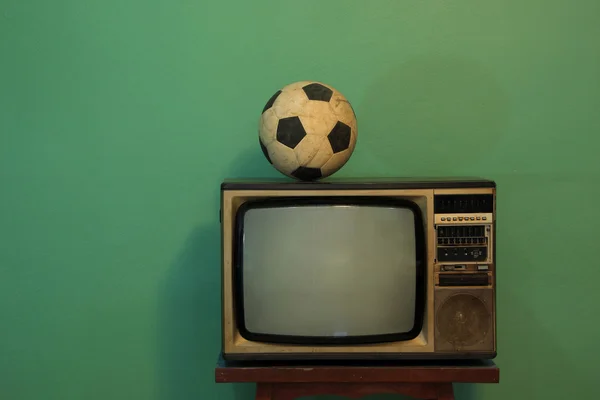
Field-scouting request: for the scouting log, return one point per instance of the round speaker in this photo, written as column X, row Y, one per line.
column 463, row 320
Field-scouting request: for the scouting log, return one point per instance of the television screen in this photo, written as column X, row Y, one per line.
column 328, row 271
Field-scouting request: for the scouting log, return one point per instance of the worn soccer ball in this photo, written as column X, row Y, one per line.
column 307, row 130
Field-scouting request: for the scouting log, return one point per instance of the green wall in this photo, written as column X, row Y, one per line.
column 119, row 119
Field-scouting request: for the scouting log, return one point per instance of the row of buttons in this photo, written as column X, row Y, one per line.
column 464, row 218
column 461, row 240
column 463, row 267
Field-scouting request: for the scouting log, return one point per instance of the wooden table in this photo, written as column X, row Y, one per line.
column 421, row 380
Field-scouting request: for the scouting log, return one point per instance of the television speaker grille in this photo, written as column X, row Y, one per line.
column 464, row 320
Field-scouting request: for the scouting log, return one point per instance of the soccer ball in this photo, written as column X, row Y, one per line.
column 307, row 130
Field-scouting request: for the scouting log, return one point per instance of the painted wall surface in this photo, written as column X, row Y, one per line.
column 119, row 119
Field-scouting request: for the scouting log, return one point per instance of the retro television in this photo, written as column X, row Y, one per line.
column 400, row 269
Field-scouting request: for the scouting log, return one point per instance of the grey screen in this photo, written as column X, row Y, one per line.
column 329, row 270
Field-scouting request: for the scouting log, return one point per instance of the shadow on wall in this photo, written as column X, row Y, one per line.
column 419, row 113
column 465, row 391
column 189, row 322
column 190, row 302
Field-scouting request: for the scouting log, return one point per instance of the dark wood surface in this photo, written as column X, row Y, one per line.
column 475, row 371
column 292, row 391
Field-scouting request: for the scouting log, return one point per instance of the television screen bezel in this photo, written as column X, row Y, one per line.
column 284, row 201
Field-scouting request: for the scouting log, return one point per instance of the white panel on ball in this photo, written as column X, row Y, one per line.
column 290, row 103
column 336, row 162
column 308, row 148
column 322, row 156
column 343, row 110
column 283, row 157
column 318, row 120
column 268, row 126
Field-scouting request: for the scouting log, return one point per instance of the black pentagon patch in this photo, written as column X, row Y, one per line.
column 264, row 150
column 271, row 101
column 290, row 131
column 316, row 91
column 307, row 174
column 339, row 137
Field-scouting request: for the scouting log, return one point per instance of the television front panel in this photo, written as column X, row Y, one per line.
column 359, row 270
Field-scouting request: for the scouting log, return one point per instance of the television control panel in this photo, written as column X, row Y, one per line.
column 464, row 239
column 462, row 243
